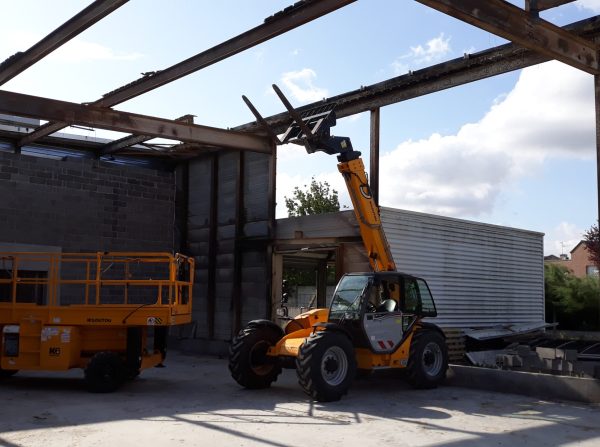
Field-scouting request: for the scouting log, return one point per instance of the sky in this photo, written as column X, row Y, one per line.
column 515, row 150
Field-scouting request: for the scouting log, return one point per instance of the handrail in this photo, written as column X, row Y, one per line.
column 63, row 279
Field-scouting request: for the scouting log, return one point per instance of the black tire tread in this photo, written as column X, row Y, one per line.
column 239, row 364
column 305, row 363
column 8, row 372
column 95, row 378
column 415, row 375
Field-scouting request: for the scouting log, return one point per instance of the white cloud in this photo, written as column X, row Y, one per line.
column 301, row 87
column 434, row 50
column 562, row 239
column 549, row 113
column 259, row 56
column 593, row 5
column 290, row 153
column 400, row 68
column 76, row 50
column 80, row 50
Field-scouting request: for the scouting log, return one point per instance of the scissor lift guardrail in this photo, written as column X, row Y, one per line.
column 66, row 310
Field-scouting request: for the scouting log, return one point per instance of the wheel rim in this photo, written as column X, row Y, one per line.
column 432, row 359
column 334, row 366
column 258, row 356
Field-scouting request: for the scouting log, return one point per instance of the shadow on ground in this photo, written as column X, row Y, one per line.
column 197, row 393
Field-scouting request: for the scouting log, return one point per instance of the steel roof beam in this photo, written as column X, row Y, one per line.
column 19, row 62
column 288, row 19
column 105, row 118
column 542, row 5
column 132, row 140
column 523, row 28
column 470, row 68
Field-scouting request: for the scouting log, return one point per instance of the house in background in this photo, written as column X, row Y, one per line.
column 580, row 264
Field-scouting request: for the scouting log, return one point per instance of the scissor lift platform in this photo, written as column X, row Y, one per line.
column 107, row 313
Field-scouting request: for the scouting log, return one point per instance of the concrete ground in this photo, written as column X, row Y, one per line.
column 194, row 401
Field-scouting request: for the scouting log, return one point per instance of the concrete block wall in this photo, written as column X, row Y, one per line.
column 85, row 205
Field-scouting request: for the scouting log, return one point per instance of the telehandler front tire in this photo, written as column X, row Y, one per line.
column 248, row 361
column 428, row 359
column 326, row 365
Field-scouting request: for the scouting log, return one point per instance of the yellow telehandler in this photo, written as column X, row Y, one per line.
column 375, row 318
column 107, row 313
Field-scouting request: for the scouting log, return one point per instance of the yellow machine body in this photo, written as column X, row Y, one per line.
column 375, row 318
column 366, row 211
column 57, row 310
column 301, row 327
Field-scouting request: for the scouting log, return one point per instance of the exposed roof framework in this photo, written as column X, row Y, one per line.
column 534, row 41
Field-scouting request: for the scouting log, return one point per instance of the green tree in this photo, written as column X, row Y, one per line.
column 318, row 198
column 591, row 239
column 571, row 301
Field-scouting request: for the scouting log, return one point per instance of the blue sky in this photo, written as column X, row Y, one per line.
column 515, row 150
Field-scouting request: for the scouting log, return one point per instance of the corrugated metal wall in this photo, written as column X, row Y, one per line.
column 480, row 275
column 229, row 228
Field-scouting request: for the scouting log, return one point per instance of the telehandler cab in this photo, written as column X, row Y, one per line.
column 375, row 318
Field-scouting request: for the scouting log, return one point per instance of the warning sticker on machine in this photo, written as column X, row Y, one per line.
column 65, row 337
column 48, row 332
column 152, row 321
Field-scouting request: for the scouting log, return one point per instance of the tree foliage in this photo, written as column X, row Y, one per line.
column 572, row 302
column 591, row 239
column 307, row 276
column 318, row 198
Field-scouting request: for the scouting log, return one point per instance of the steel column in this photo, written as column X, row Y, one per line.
column 322, row 284
column 211, row 287
column 236, row 298
column 374, row 156
column 597, row 101
column 182, row 183
column 269, row 278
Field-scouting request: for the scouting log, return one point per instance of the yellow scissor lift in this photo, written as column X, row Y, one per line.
column 107, row 313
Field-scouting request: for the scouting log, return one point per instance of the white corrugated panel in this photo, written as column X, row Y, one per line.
column 480, row 275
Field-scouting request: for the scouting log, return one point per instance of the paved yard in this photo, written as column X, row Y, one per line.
column 193, row 401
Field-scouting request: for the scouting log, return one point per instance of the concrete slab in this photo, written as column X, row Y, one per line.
column 193, row 401
column 543, row 386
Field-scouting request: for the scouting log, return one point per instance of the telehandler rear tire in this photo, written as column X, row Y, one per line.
column 326, row 365
column 428, row 359
column 248, row 361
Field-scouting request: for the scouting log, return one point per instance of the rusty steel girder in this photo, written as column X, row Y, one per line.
column 105, row 118
column 523, row 28
column 20, row 61
column 288, row 19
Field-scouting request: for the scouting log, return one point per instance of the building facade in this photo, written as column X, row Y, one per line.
column 580, row 264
